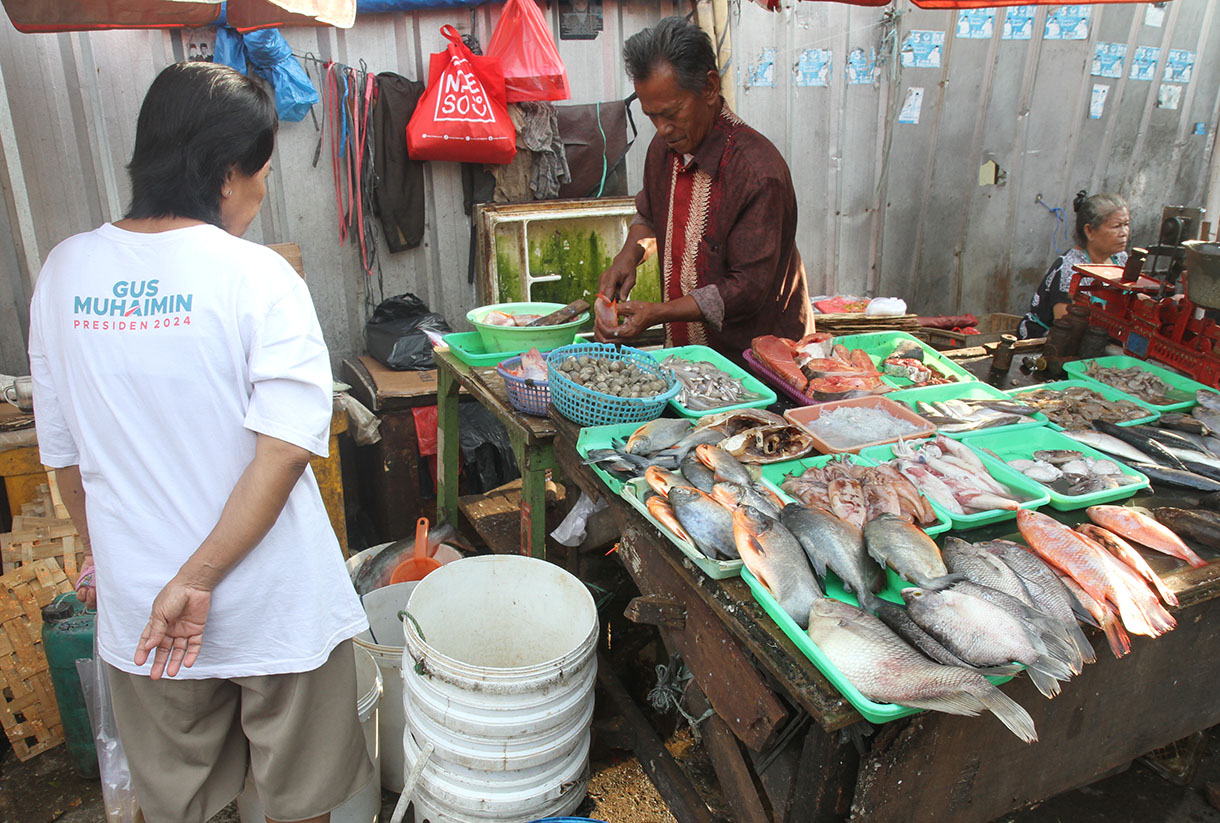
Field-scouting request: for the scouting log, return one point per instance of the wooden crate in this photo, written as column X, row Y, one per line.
column 41, row 538
column 990, row 328
column 28, row 712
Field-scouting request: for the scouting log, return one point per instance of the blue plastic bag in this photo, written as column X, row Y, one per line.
column 230, row 50
column 271, row 56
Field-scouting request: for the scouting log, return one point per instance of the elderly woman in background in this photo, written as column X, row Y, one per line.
column 180, row 385
column 1103, row 227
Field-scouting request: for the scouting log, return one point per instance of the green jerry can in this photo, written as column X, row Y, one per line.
column 67, row 636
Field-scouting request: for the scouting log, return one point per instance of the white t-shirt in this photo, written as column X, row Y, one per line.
column 156, row 358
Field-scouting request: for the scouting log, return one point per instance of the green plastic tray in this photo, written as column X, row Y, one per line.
column 1077, row 368
column 775, row 473
column 633, row 492
column 1013, row 479
column 879, row 345
column 709, row 355
column 599, row 437
column 1022, row 445
column 468, row 347
column 869, row 710
column 963, row 391
column 1101, row 388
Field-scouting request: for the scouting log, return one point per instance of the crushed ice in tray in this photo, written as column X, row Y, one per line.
column 851, row 425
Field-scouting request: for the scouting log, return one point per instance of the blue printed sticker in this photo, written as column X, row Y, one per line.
column 1143, row 62
column 1108, row 59
column 975, row 24
column 813, row 67
column 762, row 73
column 1018, row 23
column 1068, row 23
column 861, row 68
column 1179, row 66
column 922, row 49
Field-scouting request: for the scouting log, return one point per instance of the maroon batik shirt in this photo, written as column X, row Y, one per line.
column 725, row 223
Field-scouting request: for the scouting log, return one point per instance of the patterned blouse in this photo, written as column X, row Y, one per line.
column 1053, row 290
column 725, row 223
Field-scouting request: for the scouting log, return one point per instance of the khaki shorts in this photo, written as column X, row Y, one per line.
column 190, row 742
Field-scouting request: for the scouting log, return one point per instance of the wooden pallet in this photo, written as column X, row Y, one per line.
column 860, row 323
column 43, row 531
column 28, row 712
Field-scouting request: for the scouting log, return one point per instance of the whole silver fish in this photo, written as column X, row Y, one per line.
column 724, row 465
column 1041, row 583
column 983, row 634
column 980, row 566
column 832, row 543
column 1055, row 635
column 709, row 524
column 658, row 434
column 1108, row 444
column 885, row 669
column 734, row 495
column 894, row 542
column 775, row 557
column 699, row 475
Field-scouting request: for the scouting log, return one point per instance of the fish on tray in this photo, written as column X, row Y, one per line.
column 1077, row 407
column 832, row 543
column 1137, row 382
column 906, row 549
column 1144, row 530
column 777, row 560
column 818, row 368
column 1071, row 472
column 706, row 387
column 955, row 416
column 951, row 475
column 769, row 444
column 886, row 669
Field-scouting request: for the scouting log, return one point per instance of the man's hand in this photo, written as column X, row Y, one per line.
column 635, row 316
column 616, row 281
column 86, row 584
column 175, row 627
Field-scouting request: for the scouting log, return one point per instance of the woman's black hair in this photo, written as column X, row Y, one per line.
column 1094, row 210
column 198, row 121
column 676, row 41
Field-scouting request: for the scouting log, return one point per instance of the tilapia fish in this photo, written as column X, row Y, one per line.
column 985, row 634
column 769, row 444
column 831, row 543
column 777, row 560
column 885, row 669
column 904, row 548
column 706, row 387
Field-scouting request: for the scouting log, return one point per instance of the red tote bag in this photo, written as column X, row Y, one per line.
column 526, row 49
column 462, row 115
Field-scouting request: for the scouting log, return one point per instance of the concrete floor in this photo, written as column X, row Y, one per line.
column 46, row 790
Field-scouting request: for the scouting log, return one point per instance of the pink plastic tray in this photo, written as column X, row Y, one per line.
column 764, row 371
column 807, row 414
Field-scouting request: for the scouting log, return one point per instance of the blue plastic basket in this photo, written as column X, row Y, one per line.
column 525, row 394
column 589, row 407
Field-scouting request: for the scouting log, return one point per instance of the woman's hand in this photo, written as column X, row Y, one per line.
column 617, row 281
column 175, row 627
column 635, row 317
column 86, row 584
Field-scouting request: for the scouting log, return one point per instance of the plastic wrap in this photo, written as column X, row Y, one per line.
column 118, row 795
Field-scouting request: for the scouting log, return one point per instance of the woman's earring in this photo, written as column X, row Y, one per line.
column 228, row 192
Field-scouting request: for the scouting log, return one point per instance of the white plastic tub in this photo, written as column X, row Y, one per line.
column 384, row 642
column 498, row 680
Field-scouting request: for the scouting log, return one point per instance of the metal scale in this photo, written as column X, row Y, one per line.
column 1139, row 304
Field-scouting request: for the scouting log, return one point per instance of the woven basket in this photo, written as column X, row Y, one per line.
column 589, row 407
column 525, row 394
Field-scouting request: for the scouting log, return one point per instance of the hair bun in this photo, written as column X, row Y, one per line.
column 1078, row 201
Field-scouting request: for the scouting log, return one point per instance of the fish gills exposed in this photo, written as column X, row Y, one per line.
column 775, row 557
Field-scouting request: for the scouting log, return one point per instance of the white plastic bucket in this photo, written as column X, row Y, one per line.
column 502, row 689
column 365, row 805
column 384, row 642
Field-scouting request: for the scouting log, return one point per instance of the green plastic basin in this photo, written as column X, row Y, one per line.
column 879, row 345
column 963, row 391
column 1101, row 388
column 704, row 354
column 523, row 338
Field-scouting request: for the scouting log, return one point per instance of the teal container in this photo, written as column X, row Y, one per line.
column 67, row 636
column 878, row 346
column 1077, row 368
column 704, row 354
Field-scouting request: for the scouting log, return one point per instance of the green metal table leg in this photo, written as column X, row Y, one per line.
column 447, row 447
column 534, row 463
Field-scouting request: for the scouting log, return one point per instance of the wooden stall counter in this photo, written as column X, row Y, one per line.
column 788, row 721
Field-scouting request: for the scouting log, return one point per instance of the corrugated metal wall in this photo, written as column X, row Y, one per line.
column 886, row 207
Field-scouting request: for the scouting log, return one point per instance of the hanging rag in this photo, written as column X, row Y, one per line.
column 513, row 179
column 539, row 132
column 400, row 180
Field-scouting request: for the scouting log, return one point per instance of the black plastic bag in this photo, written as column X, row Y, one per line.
column 487, row 452
column 395, row 334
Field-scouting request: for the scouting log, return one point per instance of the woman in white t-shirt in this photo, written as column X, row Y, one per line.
column 181, row 384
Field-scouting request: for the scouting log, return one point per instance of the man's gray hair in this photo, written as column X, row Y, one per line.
column 676, row 41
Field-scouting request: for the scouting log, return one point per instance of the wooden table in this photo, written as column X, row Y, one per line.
column 531, row 439
column 785, row 718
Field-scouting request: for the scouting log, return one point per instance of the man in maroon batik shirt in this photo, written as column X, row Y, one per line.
column 717, row 201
